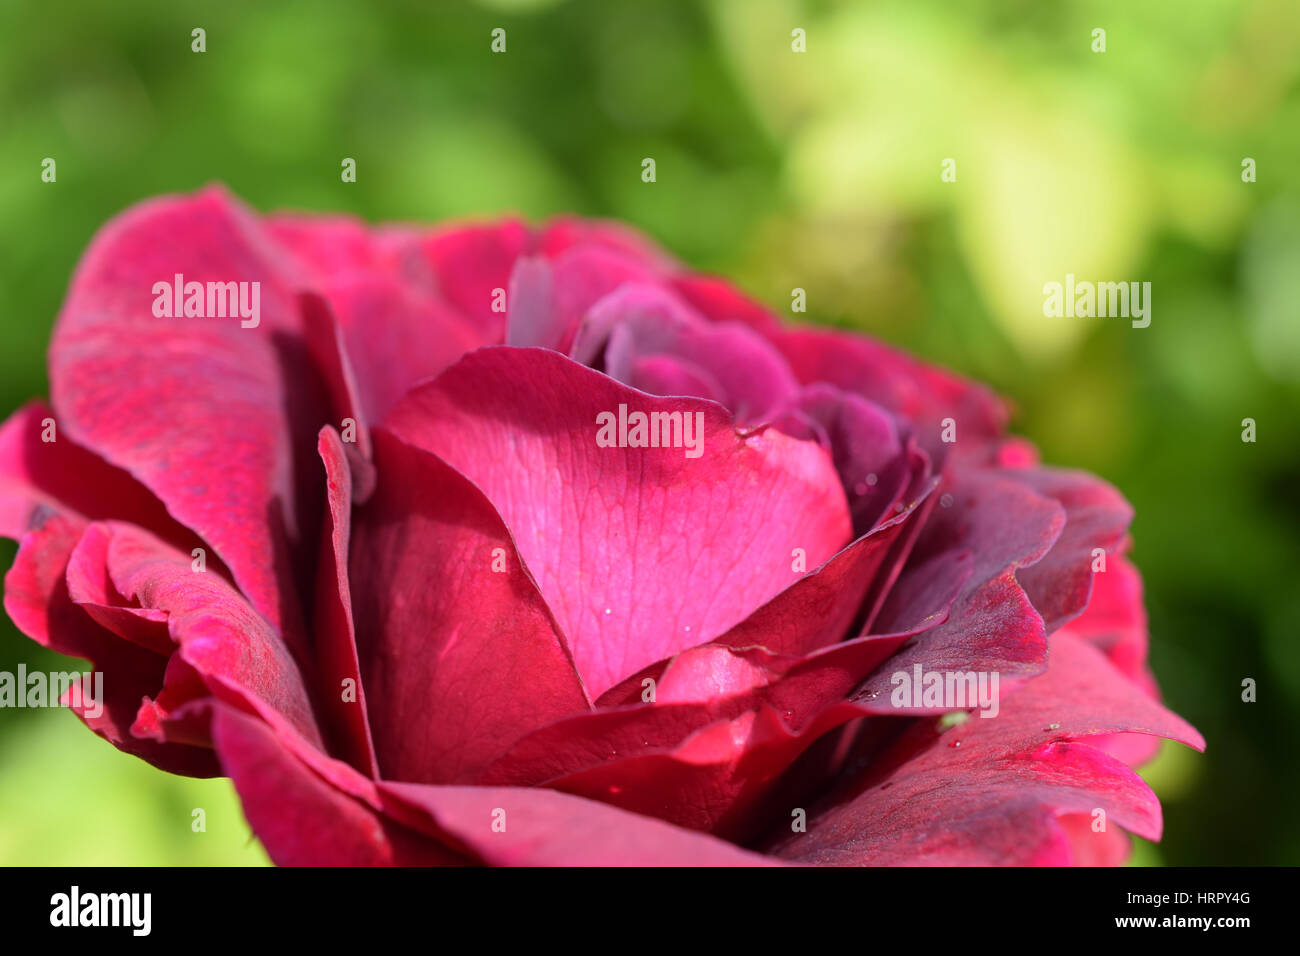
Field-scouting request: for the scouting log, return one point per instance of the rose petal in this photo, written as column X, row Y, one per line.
column 199, row 385
column 238, row 654
column 36, row 598
column 546, row 828
column 993, row 626
column 645, row 320
column 522, row 424
column 460, row 654
column 988, row 790
column 469, row 262
column 1096, row 517
column 339, row 687
column 302, row 819
column 718, row 300
column 922, row 394
column 564, row 233
column 37, row 476
column 394, row 338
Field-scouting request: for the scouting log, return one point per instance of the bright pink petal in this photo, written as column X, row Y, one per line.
column 330, row 247
column 564, row 233
column 1115, row 622
column 1092, row 841
column 719, row 300
column 470, row 262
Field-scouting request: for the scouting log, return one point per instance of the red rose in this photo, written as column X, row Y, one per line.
column 509, row 545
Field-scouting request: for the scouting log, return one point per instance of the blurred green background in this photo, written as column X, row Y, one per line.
column 818, row 170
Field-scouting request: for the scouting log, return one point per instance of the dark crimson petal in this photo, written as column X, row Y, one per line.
column 768, row 711
column 870, row 452
column 303, row 819
column 1115, row 622
column 920, row 393
column 459, row 652
column 703, row 685
column 711, row 781
column 325, row 343
column 546, row 828
column 724, row 724
column 239, row 656
column 214, row 414
column 308, row 809
column 343, row 704
column 36, row 598
column 988, row 790
column 394, row 337
column 647, row 321
column 993, row 626
column 1096, row 516
column 522, row 423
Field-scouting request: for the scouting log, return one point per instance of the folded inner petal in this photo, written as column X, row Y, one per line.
column 639, row 551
